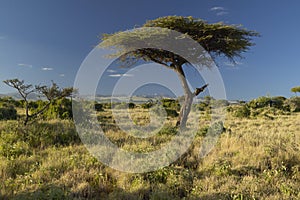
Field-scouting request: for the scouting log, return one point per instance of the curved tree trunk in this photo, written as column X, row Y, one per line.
column 188, row 100
column 185, row 110
column 186, row 107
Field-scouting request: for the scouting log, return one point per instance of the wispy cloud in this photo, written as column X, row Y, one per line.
column 217, row 8
column 2, row 37
column 62, row 75
column 120, row 75
column 222, row 13
column 111, row 71
column 233, row 65
column 24, row 65
column 47, row 68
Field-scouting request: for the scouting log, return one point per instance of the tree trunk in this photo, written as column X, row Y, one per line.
column 26, row 112
column 188, row 100
column 186, row 107
column 185, row 110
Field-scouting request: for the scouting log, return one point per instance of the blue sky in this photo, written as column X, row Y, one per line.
column 42, row 41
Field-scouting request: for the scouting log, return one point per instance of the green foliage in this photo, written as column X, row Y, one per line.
column 59, row 109
column 131, row 105
column 263, row 102
column 260, row 102
column 11, row 101
column 295, row 89
column 147, row 105
column 171, row 104
column 242, row 111
column 52, row 94
column 202, row 106
column 172, row 113
column 217, row 39
column 7, row 112
column 293, row 104
column 106, row 105
column 168, row 130
column 202, row 131
column 98, row 107
column 16, row 140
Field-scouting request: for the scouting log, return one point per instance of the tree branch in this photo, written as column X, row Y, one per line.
column 199, row 90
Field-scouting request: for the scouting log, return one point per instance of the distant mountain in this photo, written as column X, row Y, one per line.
column 17, row 96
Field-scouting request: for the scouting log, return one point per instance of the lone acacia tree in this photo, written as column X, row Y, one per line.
column 217, row 39
column 51, row 93
column 295, row 89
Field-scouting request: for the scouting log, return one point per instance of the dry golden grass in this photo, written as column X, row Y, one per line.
column 253, row 159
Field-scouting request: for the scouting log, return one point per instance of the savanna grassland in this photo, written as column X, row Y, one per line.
column 257, row 156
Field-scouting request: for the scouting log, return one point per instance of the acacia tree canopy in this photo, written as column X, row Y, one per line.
column 295, row 89
column 217, row 39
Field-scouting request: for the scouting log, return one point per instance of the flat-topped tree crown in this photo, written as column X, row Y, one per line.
column 217, row 39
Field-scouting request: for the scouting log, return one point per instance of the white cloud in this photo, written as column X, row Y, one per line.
column 47, row 68
column 222, row 13
column 111, row 71
column 62, row 75
column 217, row 8
column 233, row 65
column 119, row 75
column 24, row 65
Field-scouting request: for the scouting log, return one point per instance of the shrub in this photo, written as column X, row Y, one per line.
column 59, row 109
column 171, row 113
column 292, row 104
column 168, row 130
column 131, row 105
column 106, row 105
column 202, row 106
column 260, row 102
column 147, row 105
column 98, row 107
column 202, row 131
column 10, row 101
column 242, row 111
column 8, row 112
column 171, row 104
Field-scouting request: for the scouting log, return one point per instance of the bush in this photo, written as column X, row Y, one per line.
column 98, row 107
column 106, row 105
column 131, row 105
column 242, row 111
column 147, row 105
column 171, row 113
column 16, row 139
column 278, row 102
column 202, row 106
column 292, row 104
column 59, row 109
column 8, row 112
column 168, row 130
column 260, row 102
column 171, row 104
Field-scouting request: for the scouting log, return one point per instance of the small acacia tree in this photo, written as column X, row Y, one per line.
column 217, row 39
column 295, row 89
column 51, row 93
